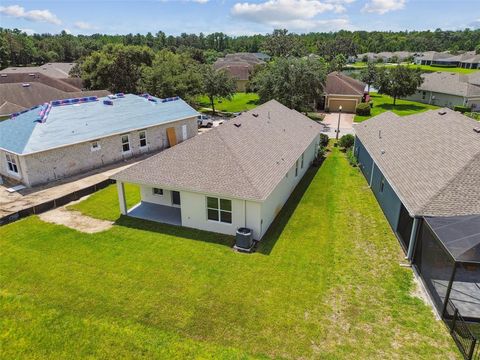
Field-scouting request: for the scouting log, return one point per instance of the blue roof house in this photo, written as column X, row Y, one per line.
column 67, row 137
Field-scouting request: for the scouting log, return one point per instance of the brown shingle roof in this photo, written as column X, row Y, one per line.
column 38, row 93
column 24, row 77
column 245, row 162
column 340, row 84
column 431, row 160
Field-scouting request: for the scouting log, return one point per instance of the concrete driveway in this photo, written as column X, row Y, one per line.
column 330, row 123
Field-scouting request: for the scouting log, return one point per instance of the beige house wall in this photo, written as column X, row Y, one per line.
column 43, row 167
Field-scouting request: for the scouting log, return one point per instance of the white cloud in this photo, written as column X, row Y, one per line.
column 293, row 14
column 68, row 31
column 18, row 11
column 474, row 24
column 383, row 6
column 82, row 25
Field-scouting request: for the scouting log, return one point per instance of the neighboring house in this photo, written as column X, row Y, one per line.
column 468, row 60
column 21, row 91
column 239, row 174
column 262, row 56
column 53, row 70
column 239, row 66
column 424, row 169
column 449, row 90
column 68, row 137
column 342, row 90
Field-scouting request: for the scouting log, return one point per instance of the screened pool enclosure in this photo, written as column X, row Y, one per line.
column 447, row 256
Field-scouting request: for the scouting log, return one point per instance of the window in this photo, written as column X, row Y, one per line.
column 424, row 93
column 157, row 191
column 382, row 185
column 125, row 143
column 296, row 168
column 142, row 135
column 301, row 165
column 12, row 163
column 219, row 210
column 95, row 146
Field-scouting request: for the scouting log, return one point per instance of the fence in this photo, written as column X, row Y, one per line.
column 52, row 204
column 461, row 333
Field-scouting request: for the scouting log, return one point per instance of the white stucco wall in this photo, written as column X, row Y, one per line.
column 274, row 203
column 442, row 100
column 148, row 196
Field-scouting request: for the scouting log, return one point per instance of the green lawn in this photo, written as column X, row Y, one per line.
column 239, row 102
column 425, row 68
column 326, row 283
column 382, row 103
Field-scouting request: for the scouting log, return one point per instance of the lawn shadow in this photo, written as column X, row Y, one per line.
column 177, row 231
column 253, row 102
column 276, row 228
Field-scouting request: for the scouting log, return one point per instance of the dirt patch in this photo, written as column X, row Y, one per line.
column 75, row 220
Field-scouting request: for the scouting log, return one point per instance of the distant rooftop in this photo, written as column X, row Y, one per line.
column 69, row 124
column 55, row 70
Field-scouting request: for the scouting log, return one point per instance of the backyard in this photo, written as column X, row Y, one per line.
column 325, row 283
column 382, row 103
column 239, row 102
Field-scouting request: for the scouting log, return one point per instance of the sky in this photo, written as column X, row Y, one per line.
column 236, row 17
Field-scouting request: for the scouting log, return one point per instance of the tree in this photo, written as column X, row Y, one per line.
column 398, row 81
column 217, row 84
column 368, row 74
column 477, row 49
column 338, row 63
column 172, row 75
column 117, row 68
column 282, row 44
column 296, row 83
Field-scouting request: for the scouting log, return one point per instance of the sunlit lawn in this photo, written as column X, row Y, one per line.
column 382, row 103
column 325, row 283
column 239, row 102
column 425, row 68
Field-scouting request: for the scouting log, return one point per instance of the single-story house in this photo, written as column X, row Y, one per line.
column 342, row 90
column 67, row 137
column 468, row 59
column 21, row 91
column 54, row 70
column 239, row 174
column 239, row 66
column 448, row 90
column 424, row 170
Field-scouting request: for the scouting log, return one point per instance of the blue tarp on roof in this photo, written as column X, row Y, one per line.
column 71, row 124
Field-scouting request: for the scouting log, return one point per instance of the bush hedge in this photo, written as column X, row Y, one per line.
column 363, row 109
column 462, row 109
column 346, row 141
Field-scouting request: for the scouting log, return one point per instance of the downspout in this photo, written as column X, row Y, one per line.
column 371, row 175
column 245, row 213
column 413, row 238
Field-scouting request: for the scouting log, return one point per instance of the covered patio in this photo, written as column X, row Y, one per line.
column 448, row 259
column 149, row 211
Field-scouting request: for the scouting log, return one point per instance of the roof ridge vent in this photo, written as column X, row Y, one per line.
column 442, row 112
column 477, row 130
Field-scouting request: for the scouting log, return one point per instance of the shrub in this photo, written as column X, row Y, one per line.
column 346, row 141
column 462, row 109
column 363, row 109
column 473, row 115
column 352, row 160
column 323, row 140
column 321, row 152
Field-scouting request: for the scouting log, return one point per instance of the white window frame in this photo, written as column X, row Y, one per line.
column 12, row 162
column 161, row 192
column 144, row 132
column 126, row 143
column 95, row 146
column 219, row 210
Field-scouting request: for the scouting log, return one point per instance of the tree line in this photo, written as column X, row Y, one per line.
column 20, row 49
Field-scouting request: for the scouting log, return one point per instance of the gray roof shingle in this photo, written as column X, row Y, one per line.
column 450, row 83
column 431, row 160
column 245, row 162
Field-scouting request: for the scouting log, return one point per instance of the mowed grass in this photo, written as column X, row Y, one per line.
column 325, row 283
column 239, row 102
column 425, row 68
column 104, row 204
column 382, row 103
